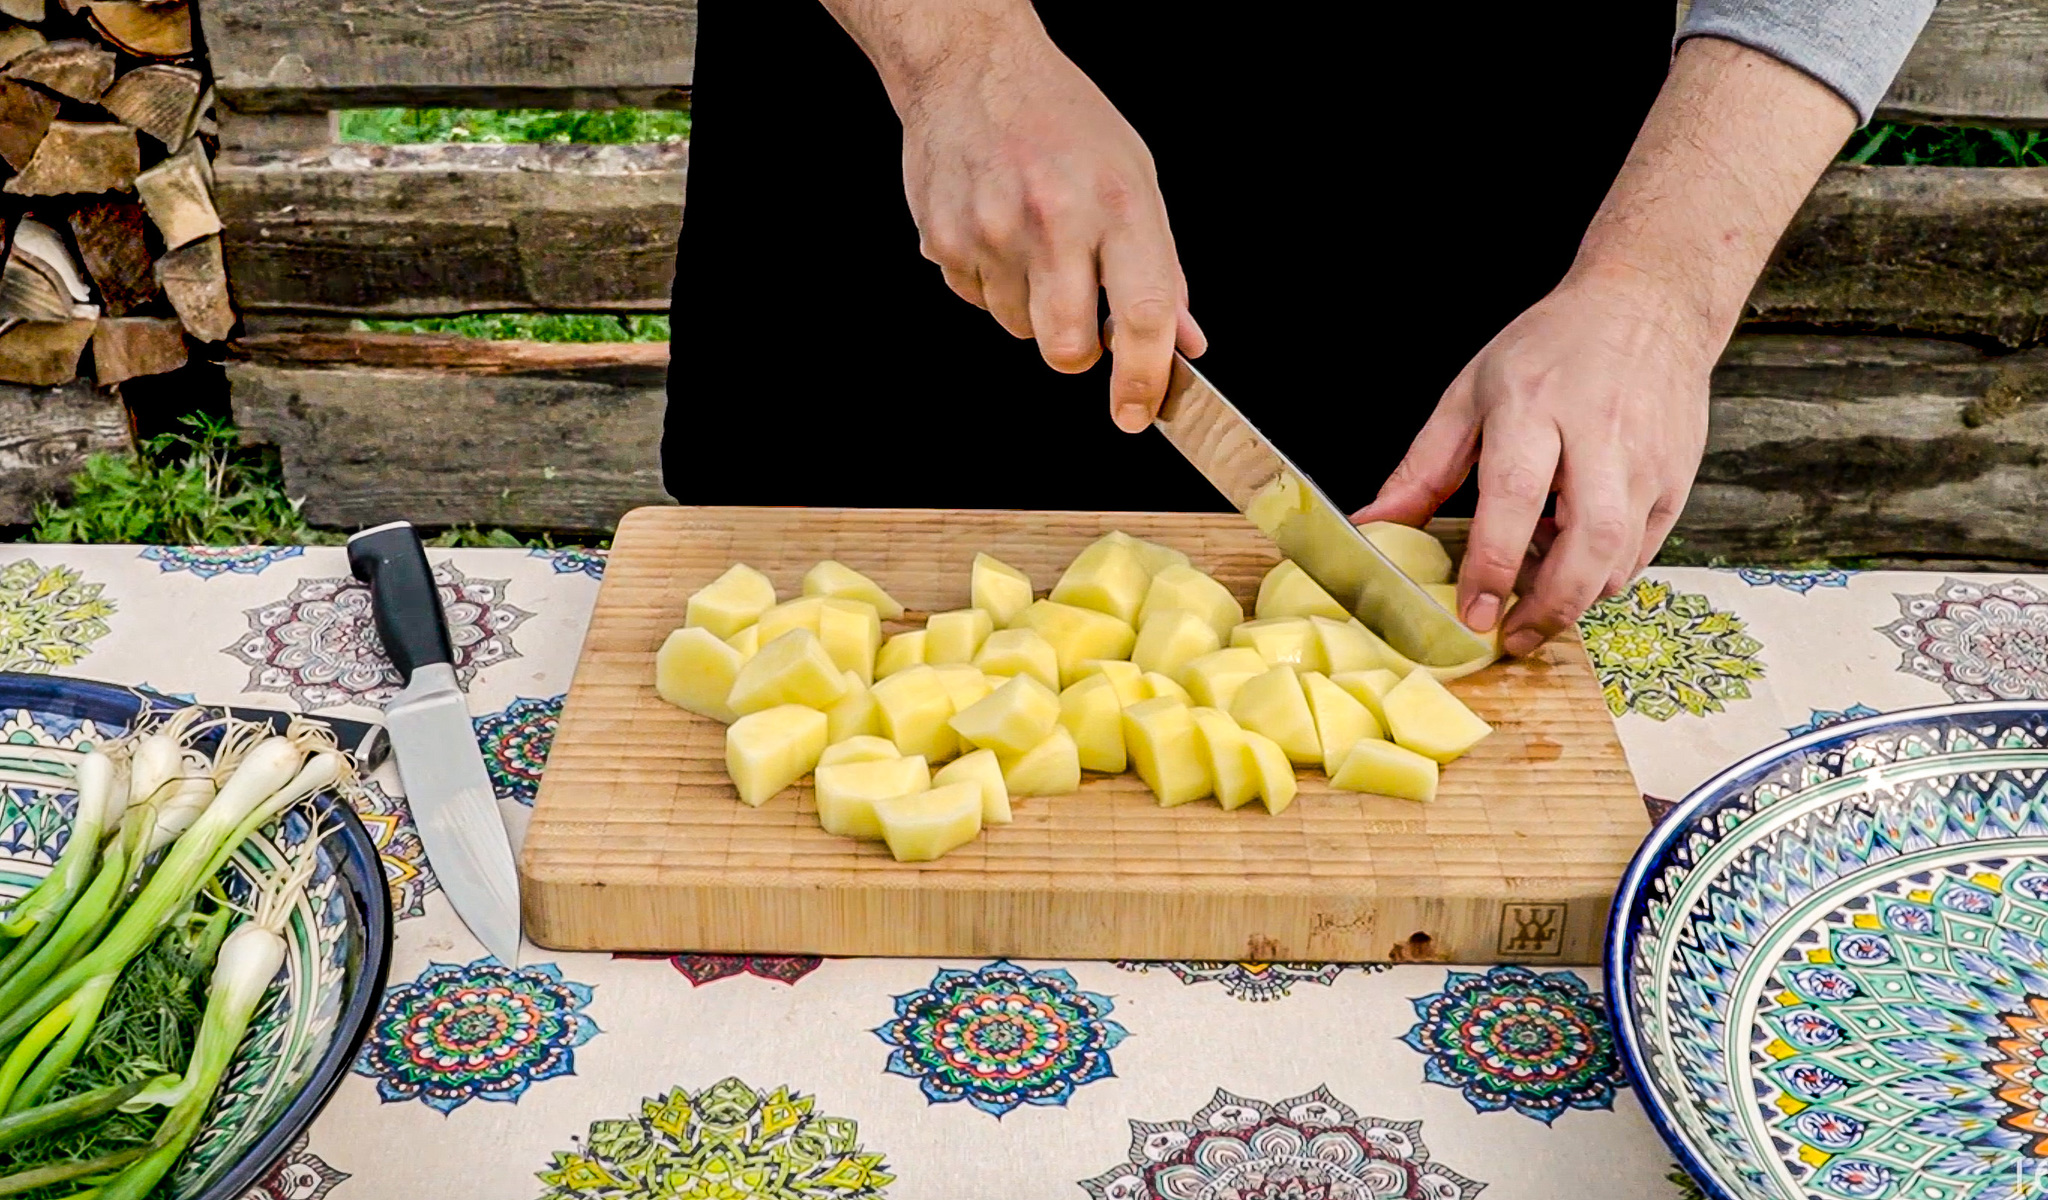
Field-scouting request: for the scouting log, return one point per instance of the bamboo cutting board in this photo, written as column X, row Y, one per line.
column 639, row 843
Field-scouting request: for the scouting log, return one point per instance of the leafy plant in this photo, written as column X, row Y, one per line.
column 532, row 327
column 609, row 126
column 1890, row 145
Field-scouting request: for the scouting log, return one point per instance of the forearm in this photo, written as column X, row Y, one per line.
column 1731, row 148
column 914, row 43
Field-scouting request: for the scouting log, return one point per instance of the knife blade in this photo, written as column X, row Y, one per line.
column 428, row 724
column 1288, row 507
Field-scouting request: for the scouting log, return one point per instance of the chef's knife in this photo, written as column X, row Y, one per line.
column 435, row 744
column 1269, row 490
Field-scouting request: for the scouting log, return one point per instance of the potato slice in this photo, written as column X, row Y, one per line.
column 801, row 613
column 747, row 641
column 1166, row 751
column 1190, row 590
column 1051, row 768
column 901, row 651
column 847, row 792
column 1213, row 679
column 1010, row 720
column 998, row 589
column 915, row 708
column 1368, row 688
column 1159, row 687
column 1019, row 652
column 954, row 637
column 1341, row 720
column 1445, row 594
column 1154, row 556
column 1385, row 769
column 859, row 748
column 1423, row 716
column 693, row 670
column 1287, row 591
column 851, row 631
column 838, row 581
column 792, row 669
column 984, row 770
column 1282, row 641
column 1235, row 777
column 925, row 825
column 1107, row 577
column 1277, row 783
column 730, row 602
column 766, row 751
column 1280, row 498
column 1092, row 711
column 1171, row 639
column 1347, row 645
column 1078, row 634
column 1128, row 680
column 1419, row 555
column 856, row 714
column 1275, row 705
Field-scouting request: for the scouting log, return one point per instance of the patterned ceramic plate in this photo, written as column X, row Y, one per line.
column 1829, row 967
column 339, row 939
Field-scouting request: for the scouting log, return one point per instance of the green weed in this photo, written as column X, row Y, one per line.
column 1889, row 145
column 608, row 126
column 533, row 327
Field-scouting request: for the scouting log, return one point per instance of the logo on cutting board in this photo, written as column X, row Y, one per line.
column 1532, row 930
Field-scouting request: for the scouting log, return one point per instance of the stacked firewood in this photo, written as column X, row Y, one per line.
column 110, row 236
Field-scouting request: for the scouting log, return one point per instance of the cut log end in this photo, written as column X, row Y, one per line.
column 196, row 281
column 113, row 243
column 25, row 115
column 71, row 68
column 161, row 101
column 44, row 353
column 144, row 30
column 77, row 157
column 179, row 197
column 130, row 347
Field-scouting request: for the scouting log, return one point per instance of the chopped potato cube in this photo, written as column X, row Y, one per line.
column 1445, row 594
column 730, row 602
column 1277, row 783
column 792, row 669
column 1230, row 759
column 915, row 708
column 1125, row 677
column 856, row 714
column 1166, row 751
column 954, row 637
column 1010, row 720
column 1419, row 555
column 1092, row 711
column 747, row 641
column 859, row 748
column 1275, row 705
column 1213, row 679
column 1158, row 687
column 766, row 751
column 1019, row 652
column 1369, row 688
column 839, row 581
column 847, row 793
column 983, row 769
column 693, row 670
column 1051, row 768
column 791, row 614
column 1078, row 634
column 901, row 651
column 1385, row 769
column 1282, row 641
column 1340, row 719
column 1276, row 502
column 1171, row 639
column 1423, row 716
column 1152, row 555
column 852, row 633
column 1287, row 591
column 965, row 684
column 1347, row 645
column 1190, row 590
column 924, row 825
column 1107, row 577
column 998, row 589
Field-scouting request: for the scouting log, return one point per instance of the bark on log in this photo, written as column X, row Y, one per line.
column 128, row 347
column 72, row 68
column 176, row 194
column 44, row 353
column 193, row 277
column 45, row 436
column 113, row 242
column 76, row 157
column 25, row 115
column 162, row 101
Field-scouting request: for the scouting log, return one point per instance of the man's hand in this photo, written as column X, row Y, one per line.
column 1031, row 192
column 1599, row 392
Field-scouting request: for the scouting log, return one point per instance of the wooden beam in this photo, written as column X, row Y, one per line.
column 45, row 436
column 314, row 55
column 445, row 431
column 1978, row 62
column 401, row 231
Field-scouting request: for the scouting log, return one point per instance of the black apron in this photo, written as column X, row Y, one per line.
column 1362, row 196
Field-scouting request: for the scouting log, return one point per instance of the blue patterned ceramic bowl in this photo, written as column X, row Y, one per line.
column 1829, row 967
column 339, row 939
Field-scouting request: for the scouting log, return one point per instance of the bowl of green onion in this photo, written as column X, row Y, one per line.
column 194, row 934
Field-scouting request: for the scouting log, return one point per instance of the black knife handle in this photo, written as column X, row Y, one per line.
column 403, row 598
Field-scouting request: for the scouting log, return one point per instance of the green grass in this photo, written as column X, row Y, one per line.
column 608, row 126
column 1887, row 145
column 532, row 327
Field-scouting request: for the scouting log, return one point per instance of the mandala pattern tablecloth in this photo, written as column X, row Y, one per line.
column 729, row 1077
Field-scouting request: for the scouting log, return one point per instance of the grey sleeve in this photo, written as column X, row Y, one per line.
column 1853, row 46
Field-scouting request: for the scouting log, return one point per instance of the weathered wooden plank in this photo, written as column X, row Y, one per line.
column 1977, row 62
column 429, row 230
column 45, row 436
column 443, row 431
column 313, row 55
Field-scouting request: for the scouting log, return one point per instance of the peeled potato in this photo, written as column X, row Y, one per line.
column 747, row 641
column 1213, row 679
column 1190, row 590
column 851, row 631
column 1107, row 577
column 1287, row 591
column 1010, row 720
column 998, row 589
column 899, row 652
column 1423, row 716
column 954, row 637
column 1277, row 783
column 1347, row 645
column 1159, row 687
column 964, row 683
column 1282, row 641
column 915, row 708
column 1271, row 506
column 1341, row 721
column 693, row 670
column 985, row 771
column 1385, row 769
column 792, row 669
column 1125, row 677
column 839, row 581
column 856, row 714
column 1275, row 705
column 730, row 602
column 1445, row 594
column 1051, row 768
column 1230, row 760
column 1419, row 555
column 922, row 826
column 860, row 748
column 1094, row 714
column 1019, row 652
column 1152, row 555
column 1368, row 688
column 847, row 792
column 1171, row 638
column 768, row 750
column 801, row 613
column 1078, row 634
column 1166, row 751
